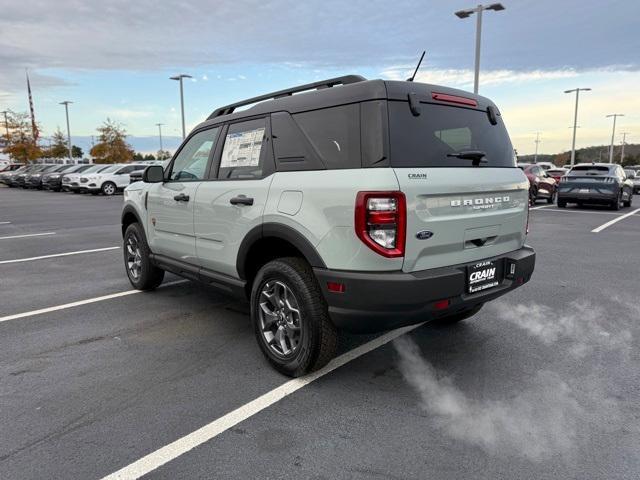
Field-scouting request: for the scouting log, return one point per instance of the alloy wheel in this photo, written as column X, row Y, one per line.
column 134, row 257
column 280, row 319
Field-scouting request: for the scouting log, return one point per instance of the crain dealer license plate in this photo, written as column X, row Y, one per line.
column 482, row 276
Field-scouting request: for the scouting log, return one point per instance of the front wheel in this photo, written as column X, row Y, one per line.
column 109, row 188
column 562, row 204
column 290, row 317
column 552, row 199
column 142, row 274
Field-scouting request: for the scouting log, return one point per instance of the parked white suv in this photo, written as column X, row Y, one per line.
column 110, row 180
column 357, row 205
column 71, row 181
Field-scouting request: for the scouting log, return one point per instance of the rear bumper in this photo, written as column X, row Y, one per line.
column 591, row 197
column 380, row 301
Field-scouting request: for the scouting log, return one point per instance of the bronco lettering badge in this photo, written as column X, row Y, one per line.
column 480, row 203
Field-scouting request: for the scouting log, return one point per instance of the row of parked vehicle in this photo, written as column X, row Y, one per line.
column 583, row 184
column 83, row 178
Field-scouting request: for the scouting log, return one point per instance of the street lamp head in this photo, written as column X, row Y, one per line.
column 66, row 102
column 180, row 76
column 495, row 6
column 615, row 115
column 464, row 13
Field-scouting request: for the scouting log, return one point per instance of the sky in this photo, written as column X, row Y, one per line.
column 113, row 58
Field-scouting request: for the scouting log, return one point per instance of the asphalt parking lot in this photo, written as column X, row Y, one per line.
column 541, row 384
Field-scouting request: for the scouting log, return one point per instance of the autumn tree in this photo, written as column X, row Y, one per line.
column 112, row 146
column 163, row 155
column 59, row 147
column 20, row 144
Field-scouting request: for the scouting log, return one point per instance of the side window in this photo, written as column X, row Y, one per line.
column 335, row 134
column 191, row 162
column 127, row 169
column 244, row 150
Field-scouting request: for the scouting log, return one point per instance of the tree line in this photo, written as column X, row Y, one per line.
column 112, row 147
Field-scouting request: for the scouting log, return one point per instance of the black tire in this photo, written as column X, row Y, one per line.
column 628, row 203
column 317, row 338
column 533, row 196
column 616, row 204
column 552, row 198
column 458, row 317
column 109, row 188
column 562, row 204
column 149, row 276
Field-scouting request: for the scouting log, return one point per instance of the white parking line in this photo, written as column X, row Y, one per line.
column 541, row 207
column 615, row 220
column 179, row 447
column 587, row 212
column 27, row 235
column 29, row 259
column 4, row 223
column 81, row 302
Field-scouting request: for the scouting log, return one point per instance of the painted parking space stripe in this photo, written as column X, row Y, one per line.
column 584, row 212
column 54, row 255
column 87, row 301
column 541, row 207
column 614, row 221
column 4, row 223
column 28, row 235
column 179, row 447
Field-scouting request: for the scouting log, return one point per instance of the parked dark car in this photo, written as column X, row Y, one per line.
column 19, row 178
column 53, row 180
column 541, row 185
column 596, row 183
column 634, row 176
column 6, row 175
column 34, row 180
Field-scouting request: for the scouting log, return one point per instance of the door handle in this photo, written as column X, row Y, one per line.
column 241, row 200
column 181, row 198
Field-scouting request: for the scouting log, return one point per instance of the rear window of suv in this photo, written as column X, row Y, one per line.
column 589, row 170
column 425, row 140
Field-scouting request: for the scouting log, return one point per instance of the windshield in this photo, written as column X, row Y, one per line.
column 589, row 170
column 95, row 168
column 430, row 139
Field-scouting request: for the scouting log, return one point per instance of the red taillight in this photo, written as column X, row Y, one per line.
column 441, row 305
column 444, row 97
column 381, row 222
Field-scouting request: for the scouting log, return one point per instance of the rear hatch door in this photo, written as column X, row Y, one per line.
column 459, row 210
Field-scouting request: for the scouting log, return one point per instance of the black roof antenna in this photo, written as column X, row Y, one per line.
column 417, row 67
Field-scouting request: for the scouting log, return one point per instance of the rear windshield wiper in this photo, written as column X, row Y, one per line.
column 477, row 156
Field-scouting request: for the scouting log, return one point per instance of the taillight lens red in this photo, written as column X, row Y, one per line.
column 381, row 222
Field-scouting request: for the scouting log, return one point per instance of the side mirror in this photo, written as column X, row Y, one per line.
column 153, row 174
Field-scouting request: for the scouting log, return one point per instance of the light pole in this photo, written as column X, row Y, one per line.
column 66, row 109
column 575, row 121
column 537, row 141
column 6, row 124
column 613, row 133
column 159, row 125
column 624, row 141
column 179, row 78
column 478, row 11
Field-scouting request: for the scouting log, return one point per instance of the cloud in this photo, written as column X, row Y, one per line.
column 464, row 78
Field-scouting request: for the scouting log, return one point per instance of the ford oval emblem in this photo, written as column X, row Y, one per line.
column 424, row 235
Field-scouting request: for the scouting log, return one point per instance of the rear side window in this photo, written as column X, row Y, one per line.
column 334, row 133
column 441, row 130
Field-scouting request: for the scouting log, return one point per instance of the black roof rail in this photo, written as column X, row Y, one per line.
column 344, row 80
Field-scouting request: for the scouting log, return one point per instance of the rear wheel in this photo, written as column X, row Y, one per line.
column 627, row 203
column 290, row 317
column 562, row 204
column 142, row 274
column 533, row 195
column 616, row 204
column 552, row 198
column 108, row 188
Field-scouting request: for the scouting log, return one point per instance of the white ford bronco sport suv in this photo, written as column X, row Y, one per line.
column 356, row 205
